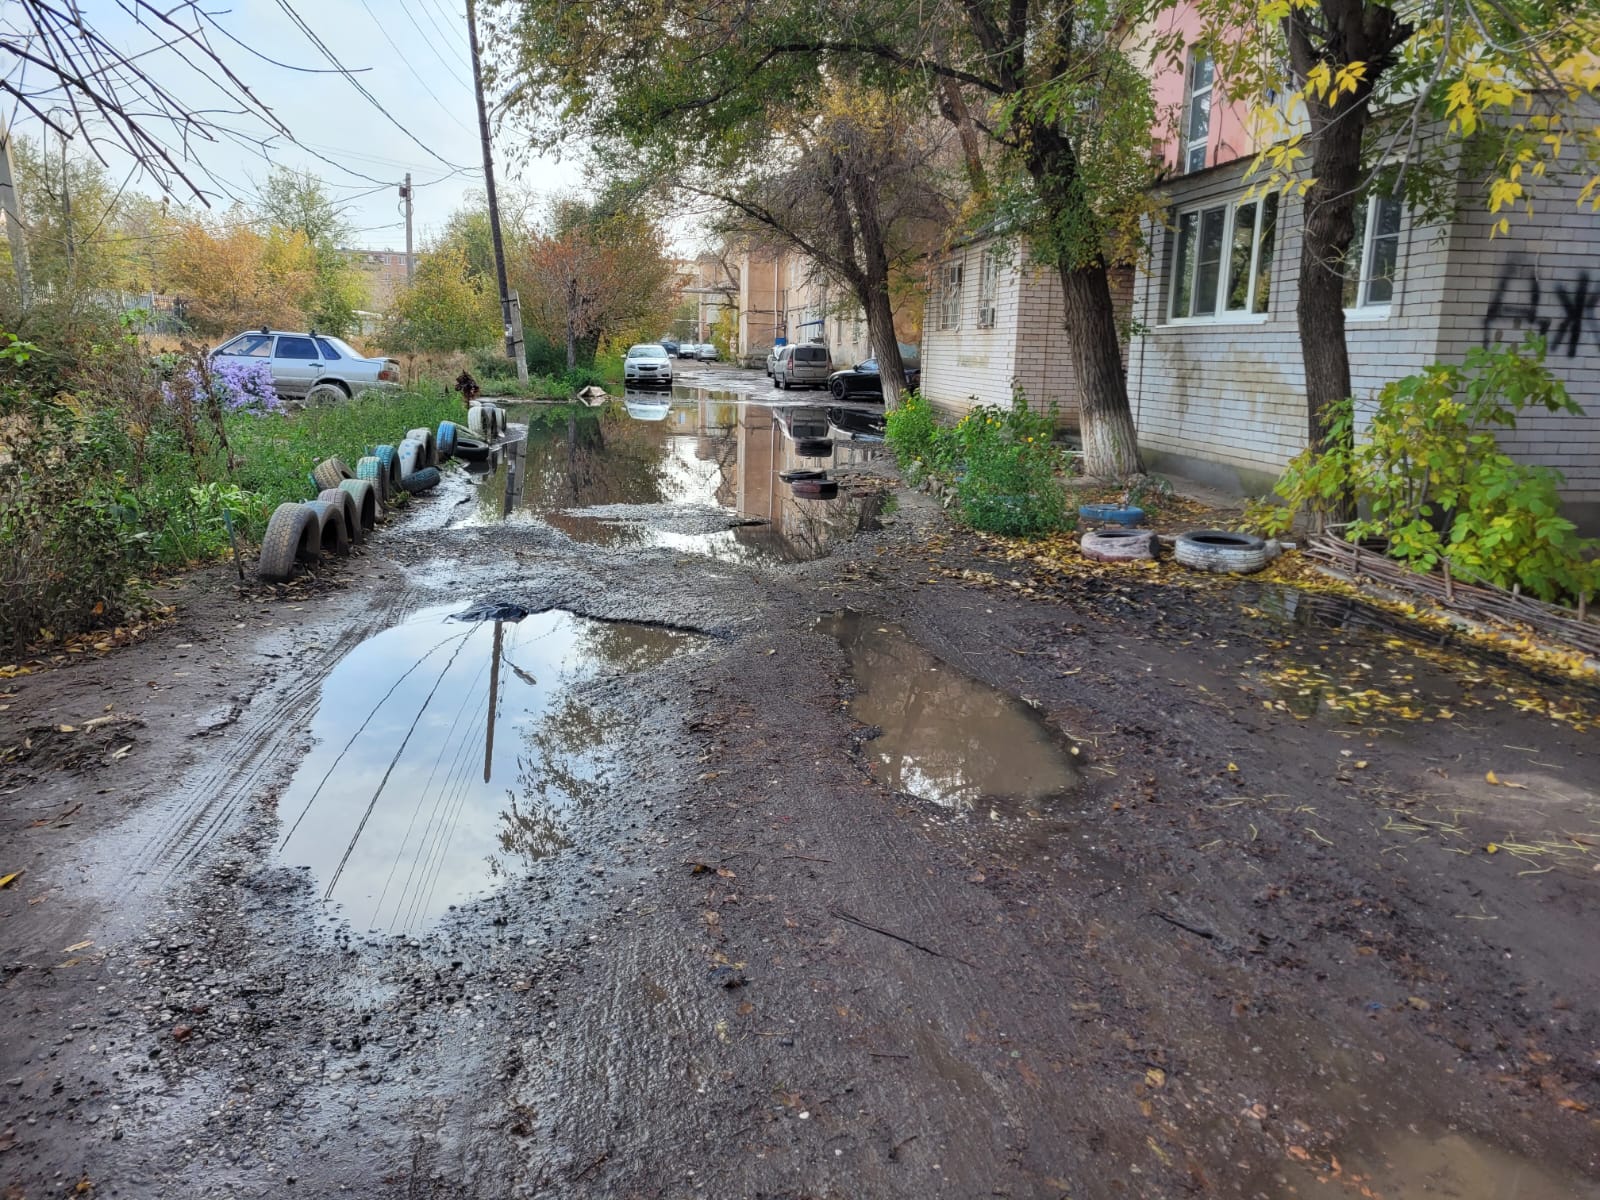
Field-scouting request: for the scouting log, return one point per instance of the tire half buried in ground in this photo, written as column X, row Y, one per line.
column 347, row 504
column 294, row 535
column 368, row 509
column 332, row 532
column 1118, row 545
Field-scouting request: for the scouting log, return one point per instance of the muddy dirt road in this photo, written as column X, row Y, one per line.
column 760, row 847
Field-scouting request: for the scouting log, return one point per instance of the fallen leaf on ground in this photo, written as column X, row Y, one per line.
column 1155, row 1077
column 8, row 880
column 78, row 946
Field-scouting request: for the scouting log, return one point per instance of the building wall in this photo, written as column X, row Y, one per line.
column 1225, row 399
column 1028, row 347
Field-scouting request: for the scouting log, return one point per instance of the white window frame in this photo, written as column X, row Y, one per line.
column 951, row 278
column 1191, row 96
column 988, row 289
column 1364, row 307
column 1219, row 313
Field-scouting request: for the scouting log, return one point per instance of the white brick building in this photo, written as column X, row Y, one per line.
column 1216, row 378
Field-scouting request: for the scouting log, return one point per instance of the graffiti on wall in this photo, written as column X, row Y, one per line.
column 1560, row 309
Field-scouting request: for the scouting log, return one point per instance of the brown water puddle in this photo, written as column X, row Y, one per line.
column 448, row 755
column 691, row 471
column 947, row 737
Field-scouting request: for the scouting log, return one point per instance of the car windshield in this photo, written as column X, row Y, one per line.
column 870, row 367
column 651, row 351
column 250, row 345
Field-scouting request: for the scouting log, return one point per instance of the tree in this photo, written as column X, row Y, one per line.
column 299, row 201
column 856, row 188
column 228, row 277
column 1397, row 96
column 444, row 309
column 1056, row 95
column 600, row 266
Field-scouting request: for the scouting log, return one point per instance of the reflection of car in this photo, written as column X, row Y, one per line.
column 863, row 380
column 850, row 425
column 305, row 362
column 802, row 424
column 647, row 408
column 647, row 363
column 790, row 366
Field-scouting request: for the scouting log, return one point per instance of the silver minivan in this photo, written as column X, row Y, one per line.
column 805, row 365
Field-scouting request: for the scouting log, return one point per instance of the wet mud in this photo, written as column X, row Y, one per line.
column 759, row 899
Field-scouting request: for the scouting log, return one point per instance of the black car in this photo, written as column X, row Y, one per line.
column 670, row 345
column 862, row 380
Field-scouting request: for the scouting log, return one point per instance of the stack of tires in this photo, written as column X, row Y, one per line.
column 350, row 504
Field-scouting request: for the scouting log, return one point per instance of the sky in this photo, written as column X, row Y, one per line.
column 419, row 71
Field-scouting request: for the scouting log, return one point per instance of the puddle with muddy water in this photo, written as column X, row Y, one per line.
column 694, row 470
column 946, row 737
column 448, row 755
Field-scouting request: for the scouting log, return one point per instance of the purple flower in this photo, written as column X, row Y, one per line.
column 237, row 387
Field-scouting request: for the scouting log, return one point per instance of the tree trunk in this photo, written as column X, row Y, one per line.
column 873, row 290
column 572, row 330
column 1110, row 442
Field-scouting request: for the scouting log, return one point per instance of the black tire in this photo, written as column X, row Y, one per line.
column 815, row 489
column 471, row 449
column 292, row 536
column 368, row 508
column 331, row 472
column 371, row 469
column 814, row 447
column 421, row 481
column 332, row 532
column 1219, row 550
column 799, row 473
column 352, row 514
column 327, row 393
column 839, row 389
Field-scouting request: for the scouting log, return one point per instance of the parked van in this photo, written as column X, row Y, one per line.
column 804, row 365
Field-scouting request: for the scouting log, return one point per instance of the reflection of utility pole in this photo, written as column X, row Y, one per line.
column 405, row 194
column 494, row 695
column 506, row 315
column 11, row 207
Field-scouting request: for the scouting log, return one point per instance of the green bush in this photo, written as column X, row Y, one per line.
column 1436, row 486
column 1008, row 480
column 910, row 430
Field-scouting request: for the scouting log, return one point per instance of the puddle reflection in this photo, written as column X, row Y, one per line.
column 947, row 737
column 697, row 474
column 448, row 755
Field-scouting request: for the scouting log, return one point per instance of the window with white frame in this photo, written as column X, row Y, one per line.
column 950, row 278
column 1222, row 260
column 1199, row 83
column 988, row 289
column 1374, row 254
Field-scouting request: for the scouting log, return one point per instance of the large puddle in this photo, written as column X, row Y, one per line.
column 449, row 755
column 693, row 471
column 947, row 737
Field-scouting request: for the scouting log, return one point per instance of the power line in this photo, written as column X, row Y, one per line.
column 415, row 73
column 356, row 83
column 443, row 36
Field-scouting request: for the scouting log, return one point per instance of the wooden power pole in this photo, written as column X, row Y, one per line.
column 11, row 206
column 513, row 337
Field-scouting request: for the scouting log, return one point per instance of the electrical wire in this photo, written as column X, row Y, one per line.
column 322, row 46
column 417, row 75
column 432, row 45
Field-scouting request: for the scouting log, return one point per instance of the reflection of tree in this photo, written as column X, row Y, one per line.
column 629, row 648
column 946, row 738
column 577, row 456
column 561, row 771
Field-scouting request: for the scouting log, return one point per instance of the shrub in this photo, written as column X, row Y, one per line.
column 1009, row 483
column 1436, row 485
column 910, row 431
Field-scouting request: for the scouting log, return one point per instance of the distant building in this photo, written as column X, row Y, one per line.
column 385, row 272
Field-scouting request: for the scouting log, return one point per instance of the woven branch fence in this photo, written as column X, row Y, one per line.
column 1575, row 627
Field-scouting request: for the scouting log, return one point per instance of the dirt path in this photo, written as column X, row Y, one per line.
column 1260, row 949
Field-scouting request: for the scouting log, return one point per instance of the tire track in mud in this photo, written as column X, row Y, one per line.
column 204, row 805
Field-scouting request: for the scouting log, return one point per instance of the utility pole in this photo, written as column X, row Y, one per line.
column 405, row 194
column 66, row 207
column 11, row 206
column 513, row 349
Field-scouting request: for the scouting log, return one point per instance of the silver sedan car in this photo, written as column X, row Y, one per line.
column 312, row 365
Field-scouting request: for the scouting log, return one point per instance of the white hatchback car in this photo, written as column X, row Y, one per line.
column 648, row 362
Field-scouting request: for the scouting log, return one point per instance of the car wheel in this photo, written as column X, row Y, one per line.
column 839, row 389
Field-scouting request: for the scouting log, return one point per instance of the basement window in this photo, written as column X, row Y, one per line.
column 1222, row 260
